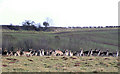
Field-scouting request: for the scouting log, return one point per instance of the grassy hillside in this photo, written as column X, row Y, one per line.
column 59, row 64
column 71, row 39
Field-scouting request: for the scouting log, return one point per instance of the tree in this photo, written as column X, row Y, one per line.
column 38, row 25
column 46, row 24
column 11, row 24
column 28, row 23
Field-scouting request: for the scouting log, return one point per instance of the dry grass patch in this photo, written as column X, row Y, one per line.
column 59, row 64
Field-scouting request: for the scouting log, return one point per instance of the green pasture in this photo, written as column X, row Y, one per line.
column 73, row 40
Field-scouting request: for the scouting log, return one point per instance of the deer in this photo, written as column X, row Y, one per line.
column 114, row 54
column 66, row 53
column 50, row 52
column 78, row 53
column 81, row 52
column 117, row 53
column 86, row 53
column 42, row 52
column 33, row 52
column 5, row 52
column 91, row 52
column 70, row 53
column 0, row 51
column 99, row 53
column 105, row 53
column 46, row 52
column 53, row 53
column 10, row 53
column 36, row 53
column 27, row 53
column 18, row 52
column 58, row 52
column 95, row 52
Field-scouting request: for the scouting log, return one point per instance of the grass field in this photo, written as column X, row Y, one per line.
column 59, row 64
column 105, row 38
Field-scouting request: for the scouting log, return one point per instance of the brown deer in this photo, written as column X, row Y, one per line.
column 27, row 53
column 58, row 52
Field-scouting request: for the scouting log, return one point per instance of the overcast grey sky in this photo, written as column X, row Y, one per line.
column 62, row 12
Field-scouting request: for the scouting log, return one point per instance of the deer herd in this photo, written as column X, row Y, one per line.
column 58, row 52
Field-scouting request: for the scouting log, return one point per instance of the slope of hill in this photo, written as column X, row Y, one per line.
column 73, row 39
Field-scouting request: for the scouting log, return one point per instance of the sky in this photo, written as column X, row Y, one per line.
column 63, row 13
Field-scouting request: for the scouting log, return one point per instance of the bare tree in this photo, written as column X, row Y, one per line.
column 49, row 20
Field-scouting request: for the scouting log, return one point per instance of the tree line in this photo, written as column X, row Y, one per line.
column 28, row 25
column 31, row 25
